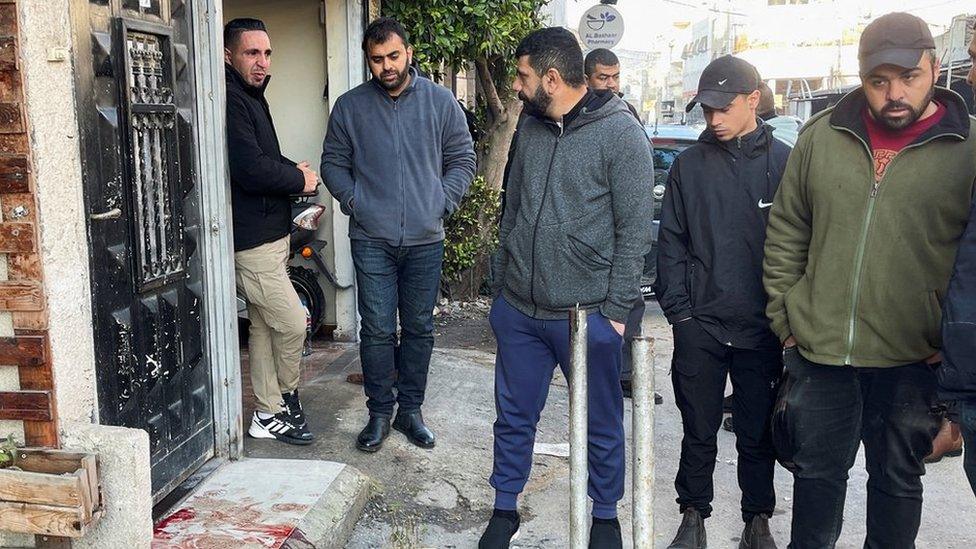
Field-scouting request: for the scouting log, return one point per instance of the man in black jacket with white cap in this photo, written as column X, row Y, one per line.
column 709, row 284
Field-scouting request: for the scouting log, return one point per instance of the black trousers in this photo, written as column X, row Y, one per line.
column 828, row 411
column 699, row 371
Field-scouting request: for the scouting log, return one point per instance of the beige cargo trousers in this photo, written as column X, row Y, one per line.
column 277, row 317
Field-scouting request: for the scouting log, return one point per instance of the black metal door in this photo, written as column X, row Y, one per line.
column 136, row 104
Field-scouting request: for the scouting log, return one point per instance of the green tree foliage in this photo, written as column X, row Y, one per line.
column 483, row 34
column 470, row 232
column 459, row 33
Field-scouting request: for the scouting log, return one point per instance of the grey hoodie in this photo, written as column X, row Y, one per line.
column 398, row 168
column 578, row 215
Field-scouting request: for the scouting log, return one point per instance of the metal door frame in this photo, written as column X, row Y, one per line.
column 219, row 306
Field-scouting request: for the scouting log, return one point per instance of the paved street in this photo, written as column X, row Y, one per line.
column 441, row 498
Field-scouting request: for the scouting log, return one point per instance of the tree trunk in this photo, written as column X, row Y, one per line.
column 499, row 139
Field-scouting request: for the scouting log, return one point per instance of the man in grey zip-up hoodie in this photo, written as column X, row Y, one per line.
column 398, row 157
column 575, row 230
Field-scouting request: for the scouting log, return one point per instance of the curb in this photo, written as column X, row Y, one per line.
column 330, row 522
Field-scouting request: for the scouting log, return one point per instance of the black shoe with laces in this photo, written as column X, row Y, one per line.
column 503, row 528
column 293, row 407
column 279, row 427
column 605, row 534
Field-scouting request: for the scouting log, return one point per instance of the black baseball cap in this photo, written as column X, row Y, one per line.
column 722, row 80
column 894, row 39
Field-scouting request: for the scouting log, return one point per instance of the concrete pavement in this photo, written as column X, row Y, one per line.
column 440, row 498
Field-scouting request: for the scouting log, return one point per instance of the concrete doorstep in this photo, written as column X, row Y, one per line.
column 274, row 503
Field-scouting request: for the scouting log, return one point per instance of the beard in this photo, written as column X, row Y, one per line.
column 538, row 104
column 915, row 112
column 401, row 77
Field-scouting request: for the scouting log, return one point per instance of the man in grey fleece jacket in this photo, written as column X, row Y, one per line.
column 398, row 157
column 575, row 230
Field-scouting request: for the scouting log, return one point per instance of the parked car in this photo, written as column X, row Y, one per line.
column 668, row 141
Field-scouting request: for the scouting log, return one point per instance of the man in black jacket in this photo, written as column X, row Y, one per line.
column 261, row 181
column 957, row 376
column 713, row 226
column 602, row 68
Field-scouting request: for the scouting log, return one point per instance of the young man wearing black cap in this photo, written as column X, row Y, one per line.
column 709, row 284
column 861, row 241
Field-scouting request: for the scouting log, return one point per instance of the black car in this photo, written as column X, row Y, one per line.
column 668, row 140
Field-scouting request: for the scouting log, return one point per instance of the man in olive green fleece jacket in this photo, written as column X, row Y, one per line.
column 860, row 244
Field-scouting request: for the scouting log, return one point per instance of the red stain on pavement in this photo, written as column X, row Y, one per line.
column 182, row 515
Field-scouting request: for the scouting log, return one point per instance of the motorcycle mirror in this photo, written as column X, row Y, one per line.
column 308, row 219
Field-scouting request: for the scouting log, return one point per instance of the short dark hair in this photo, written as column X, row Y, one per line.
column 236, row 27
column 554, row 48
column 767, row 101
column 380, row 30
column 599, row 56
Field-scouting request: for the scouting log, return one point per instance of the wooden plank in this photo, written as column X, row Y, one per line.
column 14, row 143
column 24, row 267
column 8, row 20
column 33, row 321
column 55, row 462
column 26, row 405
column 18, row 295
column 10, row 86
column 42, row 433
column 8, row 53
column 11, row 117
column 16, row 237
column 19, row 207
column 41, row 519
column 36, row 378
column 14, row 173
column 23, row 350
column 42, row 488
column 51, row 542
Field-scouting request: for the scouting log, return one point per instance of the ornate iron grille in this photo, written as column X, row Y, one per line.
column 152, row 157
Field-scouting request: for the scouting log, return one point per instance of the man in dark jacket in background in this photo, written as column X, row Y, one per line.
column 709, row 284
column 261, row 180
column 602, row 69
column 398, row 158
column 957, row 376
column 574, row 231
column 603, row 73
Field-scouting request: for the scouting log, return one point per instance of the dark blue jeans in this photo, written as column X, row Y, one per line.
column 967, row 421
column 393, row 280
column 829, row 411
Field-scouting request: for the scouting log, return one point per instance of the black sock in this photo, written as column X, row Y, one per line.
column 505, row 513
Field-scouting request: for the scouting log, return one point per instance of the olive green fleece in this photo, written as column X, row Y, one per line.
column 855, row 271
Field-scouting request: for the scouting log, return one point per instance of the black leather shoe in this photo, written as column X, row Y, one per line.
column 371, row 438
column 691, row 533
column 605, row 534
column 756, row 534
column 413, row 426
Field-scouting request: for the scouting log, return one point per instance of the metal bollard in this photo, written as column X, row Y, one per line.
column 642, row 471
column 643, row 437
column 578, row 472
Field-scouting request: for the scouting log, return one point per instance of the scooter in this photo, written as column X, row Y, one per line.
column 304, row 224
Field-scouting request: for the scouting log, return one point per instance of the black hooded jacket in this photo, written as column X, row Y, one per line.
column 713, row 228
column 261, row 178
